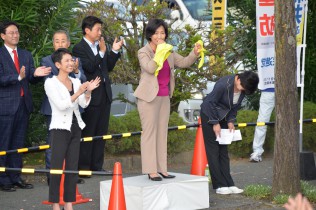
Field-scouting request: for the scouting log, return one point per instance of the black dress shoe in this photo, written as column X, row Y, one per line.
column 23, row 185
column 167, row 177
column 156, row 178
column 80, row 181
column 8, row 188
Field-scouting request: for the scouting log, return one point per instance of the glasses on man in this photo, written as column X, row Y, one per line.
column 11, row 33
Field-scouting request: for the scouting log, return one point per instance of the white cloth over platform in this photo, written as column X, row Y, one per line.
column 183, row 192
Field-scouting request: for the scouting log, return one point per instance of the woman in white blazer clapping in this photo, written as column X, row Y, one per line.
column 65, row 94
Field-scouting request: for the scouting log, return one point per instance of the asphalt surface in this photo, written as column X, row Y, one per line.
column 244, row 173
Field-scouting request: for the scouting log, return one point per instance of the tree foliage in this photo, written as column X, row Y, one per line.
column 38, row 19
column 129, row 21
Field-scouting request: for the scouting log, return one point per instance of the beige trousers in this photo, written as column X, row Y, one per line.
column 154, row 118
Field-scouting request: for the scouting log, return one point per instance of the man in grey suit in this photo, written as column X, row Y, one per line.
column 61, row 39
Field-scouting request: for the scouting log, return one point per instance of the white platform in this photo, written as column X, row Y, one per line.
column 183, row 192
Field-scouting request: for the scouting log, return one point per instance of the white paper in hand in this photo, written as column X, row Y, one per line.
column 227, row 137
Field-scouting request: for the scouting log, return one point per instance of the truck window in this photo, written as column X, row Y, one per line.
column 199, row 10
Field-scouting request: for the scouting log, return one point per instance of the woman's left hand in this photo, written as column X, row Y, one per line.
column 93, row 84
column 231, row 127
column 197, row 49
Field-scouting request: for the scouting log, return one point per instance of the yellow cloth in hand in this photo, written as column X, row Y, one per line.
column 201, row 51
column 162, row 53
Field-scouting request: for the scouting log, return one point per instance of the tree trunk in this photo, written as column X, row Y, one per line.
column 286, row 176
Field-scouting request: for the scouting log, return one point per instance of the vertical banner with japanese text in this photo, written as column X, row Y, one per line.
column 300, row 7
column 218, row 21
column 265, row 40
column 219, row 14
column 265, row 43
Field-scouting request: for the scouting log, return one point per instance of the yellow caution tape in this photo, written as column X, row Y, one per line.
column 28, row 170
column 23, row 150
column 3, row 153
column 54, row 171
column 314, row 120
column 2, row 169
column 87, row 173
column 182, row 127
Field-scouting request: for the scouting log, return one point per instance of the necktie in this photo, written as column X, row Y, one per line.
column 16, row 61
column 17, row 67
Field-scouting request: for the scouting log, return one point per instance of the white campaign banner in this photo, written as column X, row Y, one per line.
column 265, row 43
column 265, row 40
column 300, row 13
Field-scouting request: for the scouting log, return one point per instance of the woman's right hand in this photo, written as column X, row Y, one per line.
column 217, row 130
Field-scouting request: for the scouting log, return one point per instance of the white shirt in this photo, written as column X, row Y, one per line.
column 12, row 55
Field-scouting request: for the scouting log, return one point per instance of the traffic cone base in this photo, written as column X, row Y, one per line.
column 79, row 197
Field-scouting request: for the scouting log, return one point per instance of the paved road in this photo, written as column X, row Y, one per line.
column 243, row 172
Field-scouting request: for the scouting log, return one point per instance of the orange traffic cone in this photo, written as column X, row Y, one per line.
column 117, row 197
column 199, row 160
column 79, row 197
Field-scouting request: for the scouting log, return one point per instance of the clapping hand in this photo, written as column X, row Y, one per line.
column 42, row 71
column 76, row 66
column 117, row 44
column 22, row 72
column 93, row 84
column 102, row 44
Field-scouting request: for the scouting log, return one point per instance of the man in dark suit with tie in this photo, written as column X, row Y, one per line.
column 16, row 72
column 97, row 61
column 61, row 39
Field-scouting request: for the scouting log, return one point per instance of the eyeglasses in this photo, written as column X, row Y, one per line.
column 11, row 33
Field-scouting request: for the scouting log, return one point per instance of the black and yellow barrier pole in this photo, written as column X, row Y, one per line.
column 24, row 150
column 124, row 135
column 54, row 171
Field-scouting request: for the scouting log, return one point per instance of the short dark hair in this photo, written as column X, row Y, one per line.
column 152, row 26
column 89, row 22
column 5, row 24
column 57, row 56
column 249, row 81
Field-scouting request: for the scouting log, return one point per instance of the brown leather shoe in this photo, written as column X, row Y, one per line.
column 23, row 185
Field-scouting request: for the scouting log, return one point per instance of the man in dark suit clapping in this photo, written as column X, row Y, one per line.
column 97, row 61
column 61, row 39
column 16, row 72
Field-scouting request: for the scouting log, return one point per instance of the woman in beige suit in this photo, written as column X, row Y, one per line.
column 154, row 93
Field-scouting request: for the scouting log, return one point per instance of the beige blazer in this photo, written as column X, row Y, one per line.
column 148, row 86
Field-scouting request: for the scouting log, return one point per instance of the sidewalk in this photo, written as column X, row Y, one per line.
column 244, row 173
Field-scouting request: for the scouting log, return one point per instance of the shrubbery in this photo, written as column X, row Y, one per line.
column 182, row 140
column 178, row 141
